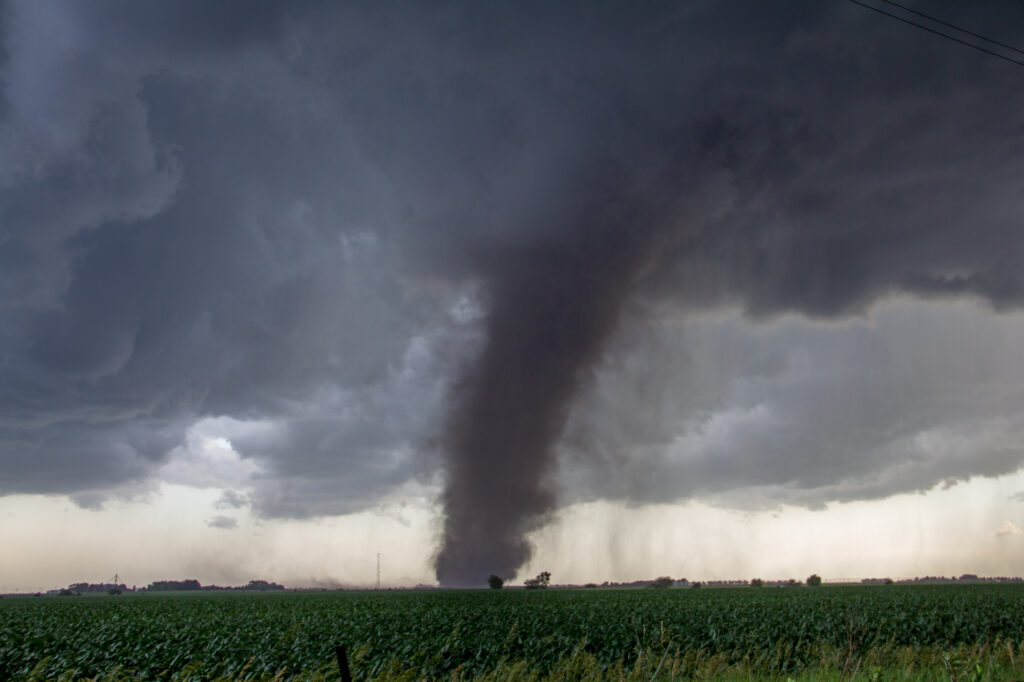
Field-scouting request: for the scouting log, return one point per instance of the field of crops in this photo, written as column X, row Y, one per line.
column 778, row 633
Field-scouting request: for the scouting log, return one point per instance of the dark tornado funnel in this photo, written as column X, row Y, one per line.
column 552, row 305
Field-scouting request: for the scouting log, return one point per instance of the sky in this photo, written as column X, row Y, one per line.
column 705, row 289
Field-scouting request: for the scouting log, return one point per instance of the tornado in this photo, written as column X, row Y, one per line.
column 552, row 304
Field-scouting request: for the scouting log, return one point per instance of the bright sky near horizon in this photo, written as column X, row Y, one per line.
column 708, row 289
column 173, row 535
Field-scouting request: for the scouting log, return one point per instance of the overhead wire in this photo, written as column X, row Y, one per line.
column 953, row 26
column 944, row 35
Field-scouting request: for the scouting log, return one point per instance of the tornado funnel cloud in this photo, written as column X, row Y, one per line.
column 552, row 306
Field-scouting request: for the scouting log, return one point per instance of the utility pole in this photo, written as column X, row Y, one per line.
column 378, row 570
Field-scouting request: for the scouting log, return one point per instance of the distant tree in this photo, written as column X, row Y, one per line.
column 494, row 582
column 114, row 590
column 663, row 581
column 756, row 582
column 262, row 585
column 696, row 583
column 171, row 585
column 814, row 580
column 540, row 582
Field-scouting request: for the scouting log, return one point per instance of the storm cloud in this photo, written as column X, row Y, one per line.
column 523, row 253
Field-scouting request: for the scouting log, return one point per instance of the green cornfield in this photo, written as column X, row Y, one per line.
column 955, row 632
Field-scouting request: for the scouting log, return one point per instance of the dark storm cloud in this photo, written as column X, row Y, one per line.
column 280, row 214
column 84, row 454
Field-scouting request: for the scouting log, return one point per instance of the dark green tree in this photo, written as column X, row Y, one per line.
column 540, row 582
column 814, row 580
column 494, row 582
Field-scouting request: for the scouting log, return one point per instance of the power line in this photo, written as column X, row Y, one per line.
column 940, row 33
column 953, row 26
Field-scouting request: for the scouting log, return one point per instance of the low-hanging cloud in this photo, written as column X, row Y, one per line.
column 387, row 241
column 223, row 522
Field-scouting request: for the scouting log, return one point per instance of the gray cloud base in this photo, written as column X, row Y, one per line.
column 908, row 397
